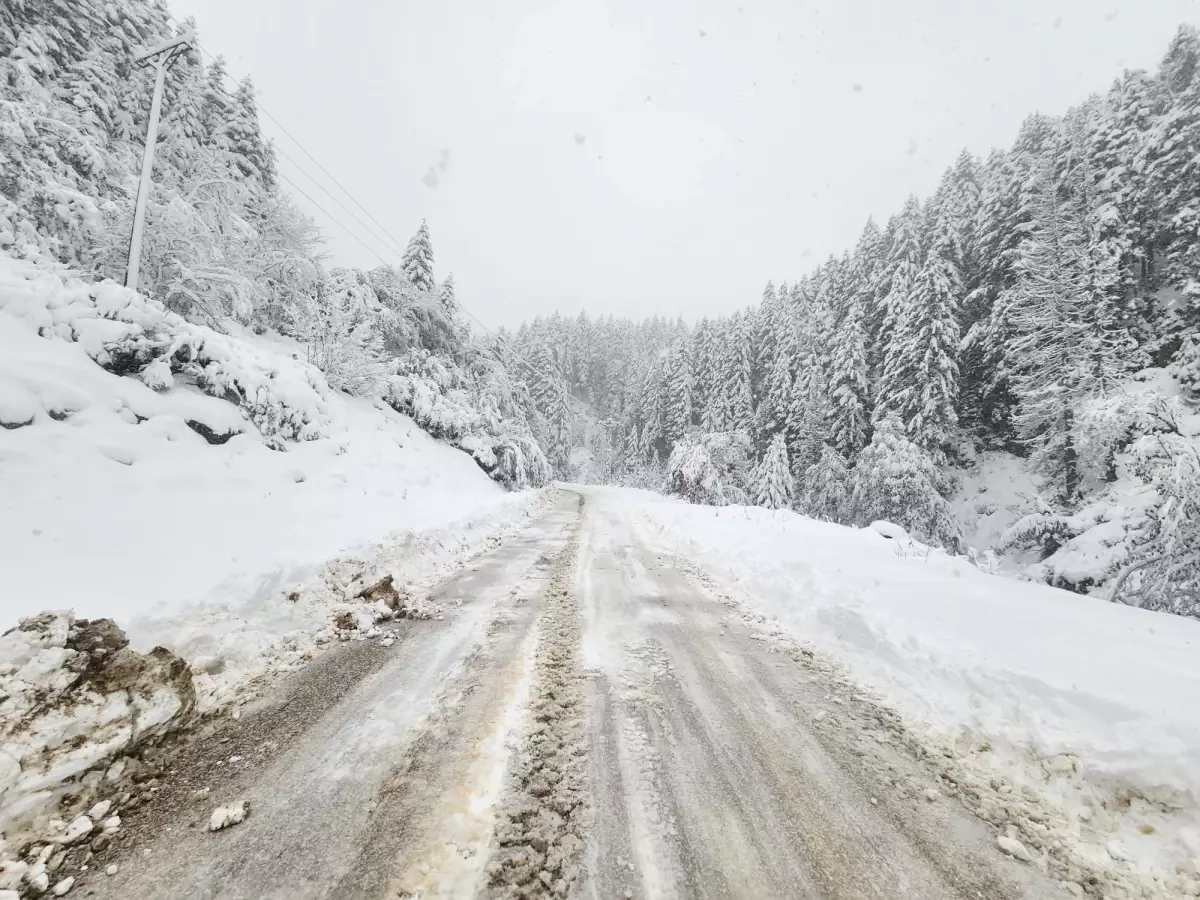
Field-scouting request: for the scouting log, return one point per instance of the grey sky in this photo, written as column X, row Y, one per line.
column 655, row 156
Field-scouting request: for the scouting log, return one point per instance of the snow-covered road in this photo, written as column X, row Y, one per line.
column 591, row 721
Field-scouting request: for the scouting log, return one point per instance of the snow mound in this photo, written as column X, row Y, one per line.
column 73, row 695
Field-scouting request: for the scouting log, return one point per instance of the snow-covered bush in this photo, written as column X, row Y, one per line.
column 435, row 394
column 826, row 481
column 445, row 401
column 896, row 481
column 127, row 333
column 341, row 329
column 1169, row 556
column 711, row 469
column 1186, row 367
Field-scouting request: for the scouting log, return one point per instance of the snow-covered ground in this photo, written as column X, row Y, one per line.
column 1090, row 705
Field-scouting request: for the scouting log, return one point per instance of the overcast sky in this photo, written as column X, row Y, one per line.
column 654, row 156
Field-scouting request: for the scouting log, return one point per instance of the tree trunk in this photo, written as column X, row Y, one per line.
column 1070, row 459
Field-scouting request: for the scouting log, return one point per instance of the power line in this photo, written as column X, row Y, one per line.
column 300, row 168
column 308, row 196
column 332, row 197
column 339, row 185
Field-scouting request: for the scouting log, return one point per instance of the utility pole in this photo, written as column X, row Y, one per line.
column 161, row 58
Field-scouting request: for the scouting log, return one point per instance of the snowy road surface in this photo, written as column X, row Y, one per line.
column 590, row 721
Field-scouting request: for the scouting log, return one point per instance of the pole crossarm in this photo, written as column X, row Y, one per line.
column 176, row 45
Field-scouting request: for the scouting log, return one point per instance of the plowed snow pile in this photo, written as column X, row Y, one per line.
column 230, row 507
column 1089, row 707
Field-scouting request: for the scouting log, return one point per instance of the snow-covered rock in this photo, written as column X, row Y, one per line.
column 228, row 815
column 73, row 695
column 1014, row 848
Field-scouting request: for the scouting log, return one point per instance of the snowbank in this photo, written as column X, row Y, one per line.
column 1023, row 676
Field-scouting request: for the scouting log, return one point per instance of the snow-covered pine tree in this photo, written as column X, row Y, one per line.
column 705, row 383
column 738, row 412
column 446, row 295
column 826, row 487
column 774, row 412
column 903, row 265
column 808, row 416
column 677, row 399
column 417, row 263
column 558, row 423
column 896, row 481
column 773, row 478
column 868, row 280
column 849, row 374
column 241, row 135
column 921, row 378
column 763, row 331
column 1067, row 336
column 216, row 109
column 1172, row 156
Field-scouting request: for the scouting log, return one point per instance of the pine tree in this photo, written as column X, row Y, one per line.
column 736, row 364
column 920, row 382
column 216, row 108
column 446, row 295
column 559, row 425
column 417, row 263
column 894, row 480
column 1067, row 335
column 774, row 412
column 903, row 266
column 241, row 135
column 677, row 401
column 1172, row 156
column 826, row 487
column 849, row 385
column 773, row 480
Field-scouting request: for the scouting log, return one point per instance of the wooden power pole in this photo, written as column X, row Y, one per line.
column 161, row 58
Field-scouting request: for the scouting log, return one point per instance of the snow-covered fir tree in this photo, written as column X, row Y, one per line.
column 895, row 480
column 826, row 487
column 773, row 483
column 1067, row 337
column 417, row 263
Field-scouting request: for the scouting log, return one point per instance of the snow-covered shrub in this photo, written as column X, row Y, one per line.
column 127, row 333
column 896, row 481
column 826, row 481
column 520, row 462
column 1186, row 367
column 710, row 468
column 1169, row 559
column 446, row 402
column 434, row 393
column 340, row 328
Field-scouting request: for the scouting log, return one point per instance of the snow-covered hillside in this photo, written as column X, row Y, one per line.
column 1084, row 708
column 150, row 500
